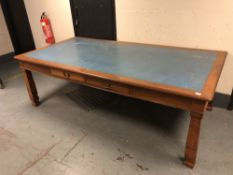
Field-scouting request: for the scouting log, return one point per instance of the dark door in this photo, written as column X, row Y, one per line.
column 18, row 25
column 94, row 18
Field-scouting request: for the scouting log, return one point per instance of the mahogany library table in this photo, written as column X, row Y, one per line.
column 183, row 78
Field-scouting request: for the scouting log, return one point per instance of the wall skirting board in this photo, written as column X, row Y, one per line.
column 230, row 105
column 6, row 57
column 222, row 100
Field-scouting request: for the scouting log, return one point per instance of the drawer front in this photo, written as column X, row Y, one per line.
column 108, row 85
column 94, row 82
column 67, row 75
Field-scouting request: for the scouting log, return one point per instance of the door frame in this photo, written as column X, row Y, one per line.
column 75, row 21
column 11, row 28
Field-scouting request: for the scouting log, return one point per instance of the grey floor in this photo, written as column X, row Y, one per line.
column 81, row 131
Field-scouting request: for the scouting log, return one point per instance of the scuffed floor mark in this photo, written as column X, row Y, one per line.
column 73, row 147
column 38, row 158
column 120, row 158
column 7, row 133
column 62, row 163
column 123, row 156
column 142, row 167
column 6, row 140
column 128, row 156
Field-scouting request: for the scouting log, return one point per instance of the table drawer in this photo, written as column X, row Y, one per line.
column 108, row 85
column 67, row 75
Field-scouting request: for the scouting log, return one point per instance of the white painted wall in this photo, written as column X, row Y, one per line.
column 5, row 42
column 193, row 23
column 59, row 13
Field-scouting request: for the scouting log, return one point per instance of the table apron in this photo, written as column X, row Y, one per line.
column 155, row 96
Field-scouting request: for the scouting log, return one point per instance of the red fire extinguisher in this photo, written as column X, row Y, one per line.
column 47, row 29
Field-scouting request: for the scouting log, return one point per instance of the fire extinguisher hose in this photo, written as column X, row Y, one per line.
column 43, row 15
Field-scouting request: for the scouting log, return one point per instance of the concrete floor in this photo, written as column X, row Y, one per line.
column 81, row 131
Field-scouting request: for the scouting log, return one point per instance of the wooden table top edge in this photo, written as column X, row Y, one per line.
column 120, row 79
column 214, row 76
column 204, row 94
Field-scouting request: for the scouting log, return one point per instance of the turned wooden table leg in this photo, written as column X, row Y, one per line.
column 192, row 139
column 31, row 87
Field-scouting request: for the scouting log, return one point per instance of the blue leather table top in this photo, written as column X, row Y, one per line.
column 178, row 67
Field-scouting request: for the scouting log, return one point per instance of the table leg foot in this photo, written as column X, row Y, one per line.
column 192, row 139
column 37, row 103
column 31, row 87
column 189, row 164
